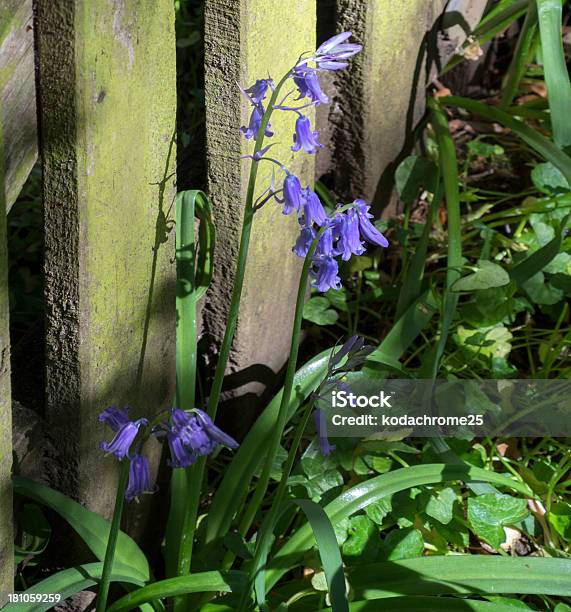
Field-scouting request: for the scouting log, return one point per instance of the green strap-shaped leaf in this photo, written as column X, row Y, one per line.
column 428, row 604
column 328, row 552
column 462, row 574
column 537, row 261
column 73, row 580
column 223, row 582
column 360, row 496
column 91, row 528
column 542, row 145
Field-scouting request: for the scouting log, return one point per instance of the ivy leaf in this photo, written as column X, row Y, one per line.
column 402, row 544
column 484, row 149
column 441, row 505
column 488, row 341
column 360, row 533
column 377, row 511
column 489, row 513
column 549, row 179
column 541, row 292
column 560, row 519
column 318, row 311
column 486, row 276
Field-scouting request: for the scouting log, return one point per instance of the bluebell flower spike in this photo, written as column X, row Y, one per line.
column 125, row 431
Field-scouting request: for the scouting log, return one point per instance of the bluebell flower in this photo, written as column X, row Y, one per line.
column 293, row 194
column 139, row 478
column 215, row 433
column 115, row 417
column 257, row 92
column 330, row 55
column 308, row 84
column 368, row 231
column 125, row 431
column 304, row 137
column 255, row 121
column 192, row 436
column 325, row 244
column 326, row 273
column 346, row 228
column 321, row 426
column 303, row 242
column 313, row 211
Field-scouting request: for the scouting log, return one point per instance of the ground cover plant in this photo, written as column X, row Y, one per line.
column 470, row 281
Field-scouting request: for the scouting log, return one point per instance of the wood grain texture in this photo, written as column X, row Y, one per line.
column 244, row 41
column 6, row 531
column 108, row 106
column 18, row 95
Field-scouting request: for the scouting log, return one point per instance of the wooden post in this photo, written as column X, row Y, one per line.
column 245, row 41
column 107, row 96
column 6, row 531
column 381, row 98
column 17, row 95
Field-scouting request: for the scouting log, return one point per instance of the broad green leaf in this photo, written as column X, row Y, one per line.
column 440, row 506
column 363, row 494
column 92, row 528
column 318, row 311
column 560, row 519
column 549, row 179
column 202, row 582
column 413, row 174
column 484, row 149
column 488, row 341
column 489, row 513
column 378, row 510
column 540, row 291
column 462, row 574
column 361, row 530
column 73, row 580
column 402, row 544
column 486, row 276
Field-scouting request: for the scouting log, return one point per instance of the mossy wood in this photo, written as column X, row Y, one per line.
column 108, row 107
column 6, row 532
column 17, row 95
column 381, row 99
column 247, row 40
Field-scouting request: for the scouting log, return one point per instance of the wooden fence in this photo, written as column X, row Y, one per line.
column 101, row 77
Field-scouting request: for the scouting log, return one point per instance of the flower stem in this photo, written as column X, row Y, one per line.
column 264, row 535
column 113, row 535
column 196, row 472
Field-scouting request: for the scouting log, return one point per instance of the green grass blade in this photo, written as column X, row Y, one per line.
column 234, row 485
column 328, row 552
column 91, row 528
column 74, row 580
column 555, row 69
column 543, row 146
column 360, row 496
column 462, row 574
column 521, row 57
column 449, row 172
column 412, row 283
column 429, row 604
column 203, row 582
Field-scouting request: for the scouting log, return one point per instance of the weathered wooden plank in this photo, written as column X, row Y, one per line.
column 18, row 94
column 245, row 41
column 108, row 102
column 6, row 532
column 382, row 96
